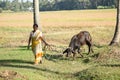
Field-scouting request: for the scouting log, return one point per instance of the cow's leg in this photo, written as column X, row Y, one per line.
column 79, row 52
column 89, row 46
column 92, row 47
column 67, row 54
column 74, row 54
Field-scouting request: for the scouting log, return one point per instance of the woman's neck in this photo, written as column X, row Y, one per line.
column 34, row 31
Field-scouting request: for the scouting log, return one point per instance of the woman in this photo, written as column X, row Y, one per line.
column 36, row 38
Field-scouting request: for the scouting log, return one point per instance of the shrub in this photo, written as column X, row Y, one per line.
column 105, row 7
column 100, row 7
column 0, row 10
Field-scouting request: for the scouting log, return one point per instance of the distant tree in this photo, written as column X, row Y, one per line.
column 5, row 4
column 115, row 3
column 2, row 4
column 27, row 5
column 93, row 4
column 116, row 37
column 8, row 5
column 0, row 10
column 15, row 6
column 21, row 6
column 55, row 6
column 46, row 5
column 68, row 4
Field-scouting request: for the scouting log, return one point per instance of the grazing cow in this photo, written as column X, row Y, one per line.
column 77, row 41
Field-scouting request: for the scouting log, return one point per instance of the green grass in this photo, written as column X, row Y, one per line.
column 54, row 67
column 58, row 28
column 57, row 67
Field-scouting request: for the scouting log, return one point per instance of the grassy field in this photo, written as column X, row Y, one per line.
column 16, row 62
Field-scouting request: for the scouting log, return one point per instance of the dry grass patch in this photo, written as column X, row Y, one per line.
column 11, row 75
column 61, row 18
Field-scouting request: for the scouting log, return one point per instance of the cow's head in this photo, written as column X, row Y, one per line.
column 68, row 51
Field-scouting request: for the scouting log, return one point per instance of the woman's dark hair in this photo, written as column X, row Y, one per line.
column 35, row 25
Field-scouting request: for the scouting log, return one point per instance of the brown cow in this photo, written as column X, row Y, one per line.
column 77, row 41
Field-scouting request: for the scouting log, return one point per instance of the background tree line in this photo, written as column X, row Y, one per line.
column 76, row 4
column 50, row 5
column 15, row 5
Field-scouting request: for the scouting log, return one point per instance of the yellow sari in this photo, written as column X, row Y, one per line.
column 37, row 46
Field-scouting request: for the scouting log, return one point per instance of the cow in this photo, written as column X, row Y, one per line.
column 77, row 41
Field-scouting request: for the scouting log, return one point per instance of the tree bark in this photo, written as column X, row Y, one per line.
column 116, row 37
column 36, row 16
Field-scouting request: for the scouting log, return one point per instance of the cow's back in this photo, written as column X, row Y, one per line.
column 73, row 41
column 84, row 36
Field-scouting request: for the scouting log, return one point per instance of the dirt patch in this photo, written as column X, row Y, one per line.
column 10, row 75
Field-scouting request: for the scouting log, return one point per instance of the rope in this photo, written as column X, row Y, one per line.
column 54, row 48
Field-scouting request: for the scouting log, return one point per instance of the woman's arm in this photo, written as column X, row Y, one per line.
column 43, row 41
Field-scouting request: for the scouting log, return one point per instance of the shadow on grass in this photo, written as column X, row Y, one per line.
column 22, row 47
column 59, row 57
column 8, row 61
column 86, row 75
column 111, row 65
column 13, row 64
column 54, row 57
column 99, row 46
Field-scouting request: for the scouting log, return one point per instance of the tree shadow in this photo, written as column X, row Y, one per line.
column 99, row 46
column 111, row 65
column 54, row 57
column 86, row 75
column 13, row 64
column 30, row 67
column 22, row 48
column 8, row 61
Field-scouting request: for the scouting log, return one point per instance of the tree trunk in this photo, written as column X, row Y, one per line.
column 21, row 6
column 36, row 13
column 116, row 37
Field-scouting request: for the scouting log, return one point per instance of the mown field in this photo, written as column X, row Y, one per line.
column 16, row 62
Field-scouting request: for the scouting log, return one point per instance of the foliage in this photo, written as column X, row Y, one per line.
column 50, row 5
column 0, row 10
column 100, row 7
column 67, row 5
column 15, row 5
column 75, row 4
